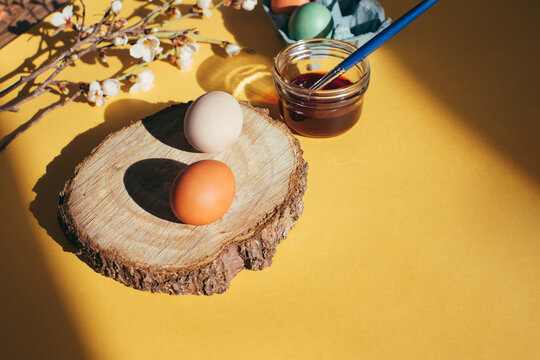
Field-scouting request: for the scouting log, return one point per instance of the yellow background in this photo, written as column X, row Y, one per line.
column 421, row 232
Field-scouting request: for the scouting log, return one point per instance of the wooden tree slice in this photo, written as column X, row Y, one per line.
column 115, row 208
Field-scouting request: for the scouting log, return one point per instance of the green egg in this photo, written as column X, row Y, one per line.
column 309, row 21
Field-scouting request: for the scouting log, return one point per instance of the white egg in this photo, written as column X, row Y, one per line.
column 213, row 122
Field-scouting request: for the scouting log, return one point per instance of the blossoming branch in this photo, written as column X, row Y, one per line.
column 146, row 39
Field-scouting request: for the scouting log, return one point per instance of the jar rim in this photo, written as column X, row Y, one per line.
column 355, row 87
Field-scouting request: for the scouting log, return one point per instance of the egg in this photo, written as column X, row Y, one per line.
column 286, row 6
column 202, row 192
column 311, row 20
column 213, row 122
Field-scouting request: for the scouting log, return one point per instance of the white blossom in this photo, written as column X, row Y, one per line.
column 111, row 87
column 145, row 81
column 204, row 4
column 185, row 55
column 232, row 49
column 95, row 94
column 249, row 4
column 177, row 2
column 62, row 18
column 116, row 6
column 146, row 48
column 184, row 60
column 120, row 40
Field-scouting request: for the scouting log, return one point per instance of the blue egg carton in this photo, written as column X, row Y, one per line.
column 355, row 21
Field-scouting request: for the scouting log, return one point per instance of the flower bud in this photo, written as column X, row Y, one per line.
column 232, row 49
column 172, row 58
column 63, row 89
column 103, row 56
column 120, row 23
column 173, row 13
column 116, row 6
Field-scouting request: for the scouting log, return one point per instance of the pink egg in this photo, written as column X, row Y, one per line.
column 286, row 6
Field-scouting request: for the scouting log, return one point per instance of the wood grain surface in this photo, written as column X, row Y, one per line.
column 18, row 16
column 115, row 209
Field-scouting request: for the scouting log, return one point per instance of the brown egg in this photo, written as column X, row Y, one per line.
column 202, row 192
column 286, row 6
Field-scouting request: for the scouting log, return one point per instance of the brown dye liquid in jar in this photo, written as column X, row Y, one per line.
column 319, row 113
column 321, row 119
column 308, row 80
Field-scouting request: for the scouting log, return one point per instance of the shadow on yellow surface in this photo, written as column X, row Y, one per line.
column 483, row 63
column 35, row 321
column 48, row 47
column 117, row 115
column 249, row 31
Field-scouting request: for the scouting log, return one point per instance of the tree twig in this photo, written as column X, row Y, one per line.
column 82, row 27
column 87, row 41
column 145, row 20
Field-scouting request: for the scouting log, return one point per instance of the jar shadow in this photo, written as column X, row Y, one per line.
column 148, row 183
column 246, row 76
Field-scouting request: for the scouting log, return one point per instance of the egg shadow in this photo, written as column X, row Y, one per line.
column 44, row 207
column 148, row 183
column 167, row 126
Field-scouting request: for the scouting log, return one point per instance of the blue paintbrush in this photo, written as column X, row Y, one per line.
column 373, row 44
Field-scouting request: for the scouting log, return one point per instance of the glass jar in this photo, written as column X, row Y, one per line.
column 319, row 113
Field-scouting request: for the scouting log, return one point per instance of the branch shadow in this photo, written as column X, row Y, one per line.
column 22, row 16
column 44, row 207
column 485, row 69
column 262, row 38
column 6, row 140
column 51, row 46
column 47, row 45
